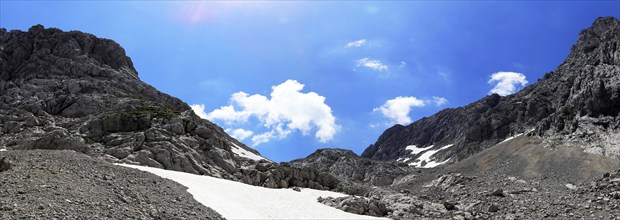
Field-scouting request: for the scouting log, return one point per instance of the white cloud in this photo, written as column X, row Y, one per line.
column 506, row 83
column 397, row 109
column 439, row 101
column 228, row 114
column 375, row 65
column 199, row 110
column 287, row 110
column 239, row 133
column 262, row 138
column 357, row 43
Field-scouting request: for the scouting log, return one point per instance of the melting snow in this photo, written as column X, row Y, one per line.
column 426, row 157
column 415, row 150
column 235, row 200
column 245, row 153
column 403, row 159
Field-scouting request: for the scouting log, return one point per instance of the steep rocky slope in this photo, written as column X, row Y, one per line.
column 72, row 90
column 577, row 104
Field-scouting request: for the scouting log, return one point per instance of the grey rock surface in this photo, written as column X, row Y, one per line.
column 517, row 179
column 346, row 165
column 357, row 205
column 62, row 184
column 578, row 104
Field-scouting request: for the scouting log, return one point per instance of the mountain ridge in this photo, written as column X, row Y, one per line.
column 587, row 80
column 74, row 91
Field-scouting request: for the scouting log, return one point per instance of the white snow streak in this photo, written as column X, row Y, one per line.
column 2, row 149
column 245, row 153
column 512, row 137
column 235, row 200
column 517, row 135
column 403, row 159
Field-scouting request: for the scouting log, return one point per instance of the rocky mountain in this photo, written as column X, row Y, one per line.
column 577, row 104
column 72, row 90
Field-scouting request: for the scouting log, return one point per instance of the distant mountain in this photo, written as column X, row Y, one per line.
column 72, row 90
column 577, row 104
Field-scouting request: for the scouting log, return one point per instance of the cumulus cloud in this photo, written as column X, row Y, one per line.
column 287, row 110
column 199, row 110
column 357, row 43
column 507, row 83
column 439, row 101
column 397, row 109
column 240, row 133
column 262, row 138
column 228, row 114
column 375, row 65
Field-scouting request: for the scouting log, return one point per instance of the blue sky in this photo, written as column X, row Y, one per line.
column 293, row 77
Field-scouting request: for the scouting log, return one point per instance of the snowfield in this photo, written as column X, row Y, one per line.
column 235, row 200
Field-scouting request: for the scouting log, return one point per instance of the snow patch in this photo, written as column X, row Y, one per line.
column 517, row 135
column 235, row 200
column 426, row 157
column 415, row 150
column 245, row 153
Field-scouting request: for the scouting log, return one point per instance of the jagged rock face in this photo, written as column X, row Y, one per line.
column 72, row 90
column 578, row 103
column 347, row 166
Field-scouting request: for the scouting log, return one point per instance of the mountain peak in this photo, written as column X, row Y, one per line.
column 597, row 44
column 30, row 52
column 604, row 24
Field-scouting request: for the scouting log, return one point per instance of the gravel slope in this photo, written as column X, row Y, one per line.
column 44, row 184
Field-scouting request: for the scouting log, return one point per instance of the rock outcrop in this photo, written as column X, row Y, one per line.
column 72, row 90
column 347, row 166
column 357, row 205
column 578, row 104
